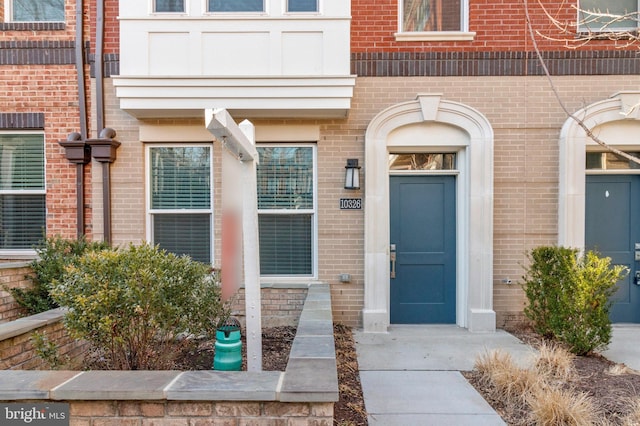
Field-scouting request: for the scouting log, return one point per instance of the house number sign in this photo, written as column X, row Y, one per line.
column 350, row 203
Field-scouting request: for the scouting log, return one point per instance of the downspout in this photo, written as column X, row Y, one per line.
column 108, row 156
column 76, row 151
column 82, row 105
column 99, row 67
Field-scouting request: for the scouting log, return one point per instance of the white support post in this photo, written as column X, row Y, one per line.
column 250, row 243
column 240, row 141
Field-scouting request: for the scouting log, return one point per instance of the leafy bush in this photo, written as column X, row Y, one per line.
column 569, row 294
column 54, row 254
column 47, row 350
column 133, row 303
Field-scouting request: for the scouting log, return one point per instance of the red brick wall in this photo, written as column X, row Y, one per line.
column 50, row 88
column 111, row 27
column 499, row 25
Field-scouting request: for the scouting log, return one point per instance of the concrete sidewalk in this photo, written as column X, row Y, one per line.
column 411, row 375
column 625, row 345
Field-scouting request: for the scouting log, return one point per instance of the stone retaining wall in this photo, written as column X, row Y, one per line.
column 303, row 394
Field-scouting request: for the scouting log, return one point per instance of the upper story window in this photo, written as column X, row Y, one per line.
column 35, row 10
column 22, row 191
column 302, row 5
column 432, row 15
column 175, row 6
column 235, row 6
column 608, row 15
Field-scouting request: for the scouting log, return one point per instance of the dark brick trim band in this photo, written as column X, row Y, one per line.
column 32, row 26
column 21, row 120
column 458, row 64
column 37, row 52
column 111, row 65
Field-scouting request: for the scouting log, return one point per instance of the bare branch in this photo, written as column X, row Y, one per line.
column 593, row 25
column 578, row 121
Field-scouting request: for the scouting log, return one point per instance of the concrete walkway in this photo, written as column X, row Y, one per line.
column 625, row 345
column 411, row 375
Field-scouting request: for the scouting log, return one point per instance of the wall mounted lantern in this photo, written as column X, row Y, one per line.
column 352, row 174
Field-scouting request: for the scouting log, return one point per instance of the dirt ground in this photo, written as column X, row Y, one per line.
column 276, row 345
column 611, row 393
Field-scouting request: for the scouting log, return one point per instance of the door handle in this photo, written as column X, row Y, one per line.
column 392, row 257
column 636, row 280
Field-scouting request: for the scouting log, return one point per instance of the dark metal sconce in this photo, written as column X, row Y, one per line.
column 352, row 174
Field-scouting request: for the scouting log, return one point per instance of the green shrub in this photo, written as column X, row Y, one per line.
column 133, row 303
column 54, row 254
column 47, row 350
column 569, row 295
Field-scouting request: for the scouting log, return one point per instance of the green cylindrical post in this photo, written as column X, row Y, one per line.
column 228, row 355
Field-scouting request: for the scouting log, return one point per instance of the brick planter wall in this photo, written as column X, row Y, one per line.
column 303, row 394
column 12, row 275
column 281, row 305
column 17, row 351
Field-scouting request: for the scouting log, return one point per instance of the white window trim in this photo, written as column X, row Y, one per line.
column 26, row 253
column 8, row 13
column 314, row 222
column 436, row 36
column 462, row 35
column 604, row 30
column 147, row 182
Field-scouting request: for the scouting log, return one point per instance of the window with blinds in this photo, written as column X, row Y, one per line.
column 180, row 204
column 286, row 210
column 22, row 191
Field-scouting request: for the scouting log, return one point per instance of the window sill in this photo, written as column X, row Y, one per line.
column 436, row 36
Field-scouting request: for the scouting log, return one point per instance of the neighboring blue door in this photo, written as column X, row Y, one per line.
column 613, row 230
column 423, row 230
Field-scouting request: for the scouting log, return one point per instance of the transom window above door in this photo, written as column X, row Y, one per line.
column 608, row 15
column 422, row 161
column 611, row 161
column 34, row 10
column 432, row 15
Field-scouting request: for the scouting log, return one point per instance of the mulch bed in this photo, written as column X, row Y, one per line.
column 611, row 394
column 276, row 345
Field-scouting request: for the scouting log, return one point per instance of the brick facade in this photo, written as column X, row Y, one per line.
column 497, row 73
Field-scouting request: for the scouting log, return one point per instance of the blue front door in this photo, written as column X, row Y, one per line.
column 613, row 229
column 423, row 233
